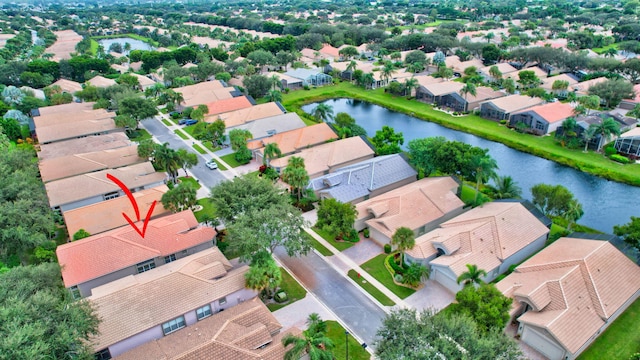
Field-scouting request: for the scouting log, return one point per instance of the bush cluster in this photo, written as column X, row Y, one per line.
column 619, row 158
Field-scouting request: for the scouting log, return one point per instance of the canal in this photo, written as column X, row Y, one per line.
column 605, row 203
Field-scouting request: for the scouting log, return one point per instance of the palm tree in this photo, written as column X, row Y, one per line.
column 606, row 129
column 274, row 96
column 404, row 239
column 296, row 175
column 505, row 188
column 168, row 159
column 312, row 341
column 489, row 36
column 415, row 67
column 275, row 81
column 473, row 275
column 495, row 73
column 387, row 72
column 271, row 150
column 351, row 68
column 368, row 80
column 587, row 135
column 569, row 127
column 574, row 213
column 484, row 167
column 410, row 84
column 323, row 112
column 468, row 88
column 611, row 52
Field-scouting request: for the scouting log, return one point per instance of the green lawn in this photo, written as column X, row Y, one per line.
column 546, row 147
column 199, row 149
column 188, row 129
column 335, row 332
column 343, row 245
column 601, row 50
column 230, row 159
column 191, row 180
column 372, row 290
column 316, row 245
column 167, row 122
column 209, row 146
column 94, row 47
column 620, row 340
column 139, row 135
column 294, row 291
column 182, row 135
column 468, row 193
column 375, row 267
column 207, row 210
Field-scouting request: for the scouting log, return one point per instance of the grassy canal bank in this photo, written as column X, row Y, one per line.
column 545, row 147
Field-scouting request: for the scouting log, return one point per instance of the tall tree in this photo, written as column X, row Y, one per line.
column 410, row 84
column 607, row 128
column 473, row 275
column 486, row 305
column 336, row 217
column 313, row 342
column 403, row 239
column 167, row 159
column 187, row 160
column 504, row 187
column 264, row 274
column 613, row 91
column 484, row 168
column 468, row 88
column 387, row 141
column 270, row 151
column 238, row 138
column 551, row 199
column 296, row 175
column 138, row 108
column 181, row 197
column 323, row 112
column 573, row 213
column 630, row 232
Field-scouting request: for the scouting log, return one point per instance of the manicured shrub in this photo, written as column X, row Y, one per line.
column 366, row 233
column 387, row 249
column 610, row 150
column 352, row 236
column 503, row 122
column 619, row 158
column 398, row 278
column 306, row 87
column 394, row 265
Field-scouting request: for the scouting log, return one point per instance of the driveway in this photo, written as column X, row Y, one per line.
column 363, row 250
column 431, row 296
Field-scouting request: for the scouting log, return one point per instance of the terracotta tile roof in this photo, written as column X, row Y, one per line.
column 330, row 51
column 65, row 108
column 547, row 83
column 73, row 130
column 143, row 80
column 552, row 112
column 83, row 145
column 102, row 254
column 484, row 93
column 412, row 205
column 204, row 92
column 80, row 187
column 541, row 74
column 291, row 141
column 227, row 105
column 68, row 86
column 71, row 165
column 101, row 82
column 77, row 116
column 583, row 87
column 243, row 116
column 139, row 302
column 220, row 335
column 443, row 88
column 322, row 158
column 586, row 282
column 107, row 215
column 513, row 103
column 426, row 80
column 485, row 236
column 505, row 68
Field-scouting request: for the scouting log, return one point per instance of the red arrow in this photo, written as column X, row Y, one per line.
column 135, row 207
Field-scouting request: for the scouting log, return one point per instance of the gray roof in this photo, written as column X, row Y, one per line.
column 303, row 74
column 358, row 180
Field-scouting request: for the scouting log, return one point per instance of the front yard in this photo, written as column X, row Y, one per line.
column 340, row 245
column 335, row 332
column 290, row 286
column 375, row 267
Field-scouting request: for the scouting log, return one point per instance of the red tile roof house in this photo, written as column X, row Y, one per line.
column 100, row 259
column 226, row 105
column 419, row 206
column 543, row 119
column 569, row 293
column 492, row 237
column 142, row 308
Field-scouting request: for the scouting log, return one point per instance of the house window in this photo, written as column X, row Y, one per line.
column 146, row 266
column 539, row 126
column 222, row 301
column 173, row 325
column 203, row 312
column 103, row 355
column 75, row 292
column 170, row 258
column 111, row 195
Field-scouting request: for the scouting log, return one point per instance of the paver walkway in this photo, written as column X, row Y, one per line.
column 297, row 313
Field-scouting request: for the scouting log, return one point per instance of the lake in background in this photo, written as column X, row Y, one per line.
column 135, row 44
column 605, row 203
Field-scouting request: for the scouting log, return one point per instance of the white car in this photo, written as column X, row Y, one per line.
column 211, row 164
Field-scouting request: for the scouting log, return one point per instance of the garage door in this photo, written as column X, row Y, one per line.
column 541, row 343
column 445, row 281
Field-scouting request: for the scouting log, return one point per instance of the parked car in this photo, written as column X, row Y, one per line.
column 187, row 122
column 212, row 165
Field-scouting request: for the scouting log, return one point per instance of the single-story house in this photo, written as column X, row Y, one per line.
column 287, row 82
column 269, row 126
column 364, row 180
column 582, row 88
column 204, row 93
column 246, row 331
column 423, row 82
column 327, row 158
column 247, row 115
column 543, row 119
column 547, row 84
column 586, row 121
column 629, row 104
column 144, row 81
column 68, row 86
column 330, row 52
column 63, row 108
column 569, row 293
column 145, row 307
column 502, row 108
column 107, row 215
column 453, row 62
column 226, row 105
column 629, row 143
column 345, row 74
column 503, row 67
column 108, row 256
column 295, row 140
column 83, row 145
column 71, row 116
column 541, row 74
column 433, row 93
column 78, row 164
column 310, row 77
column 101, row 82
column 459, row 102
column 78, row 129
column 86, row 189
column 419, row 206
column 493, row 237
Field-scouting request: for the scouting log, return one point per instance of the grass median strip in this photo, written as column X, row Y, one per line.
column 372, row 290
column 199, row 149
column 341, row 246
column 182, row 135
column 318, row 246
column 167, row 122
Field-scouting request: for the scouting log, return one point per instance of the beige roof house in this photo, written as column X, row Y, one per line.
column 458, row 66
column 77, row 164
column 203, row 93
column 101, row 82
column 107, row 215
column 137, row 309
column 68, row 86
column 541, row 74
column 504, row 68
column 246, row 331
column 441, row 88
column 547, row 83
column 568, row 293
column 295, row 140
column 582, row 88
column 76, row 116
column 271, row 125
column 502, row 108
column 425, row 80
column 64, row 108
column 418, row 206
column 144, row 81
column 96, row 185
column 67, row 131
column 243, row 116
column 326, row 158
column 83, row 145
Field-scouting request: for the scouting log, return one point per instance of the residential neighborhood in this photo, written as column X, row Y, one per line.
column 332, row 180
